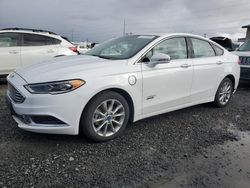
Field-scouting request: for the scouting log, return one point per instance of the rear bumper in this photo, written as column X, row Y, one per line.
column 245, row 73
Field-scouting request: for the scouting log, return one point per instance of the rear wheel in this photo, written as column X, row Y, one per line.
column 105, row 117
column 224, row 93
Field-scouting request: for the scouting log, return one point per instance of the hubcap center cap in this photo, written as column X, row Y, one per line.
column 109, row 118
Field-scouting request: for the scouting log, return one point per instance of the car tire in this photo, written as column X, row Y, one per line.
column 224, row 93
column 105, row 117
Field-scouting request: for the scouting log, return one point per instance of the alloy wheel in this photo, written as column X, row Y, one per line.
column 108, row 118
column 225, row 93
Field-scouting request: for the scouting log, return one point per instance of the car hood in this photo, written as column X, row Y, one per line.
column 241, row 53
column 69, row 67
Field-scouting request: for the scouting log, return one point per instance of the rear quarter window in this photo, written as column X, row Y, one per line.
column 218, row 50
column 55, row 41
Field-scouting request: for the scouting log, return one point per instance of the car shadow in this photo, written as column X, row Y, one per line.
column 244, row 85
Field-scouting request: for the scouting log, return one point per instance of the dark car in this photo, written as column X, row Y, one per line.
column 244, row 53
column 225, row 42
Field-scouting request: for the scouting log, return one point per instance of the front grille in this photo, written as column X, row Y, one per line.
column 245, row 60
column 14, row 94
column 46, row 120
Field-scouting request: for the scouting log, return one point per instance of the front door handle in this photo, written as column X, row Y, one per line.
column 185, row 66
column 13, row 52
column 50, row 51
column 219, row 63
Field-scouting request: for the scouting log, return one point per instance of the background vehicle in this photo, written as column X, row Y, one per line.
column 20, row 47
column 82, row 49
column 121, row 80
column 244, row 53
column 225, row 42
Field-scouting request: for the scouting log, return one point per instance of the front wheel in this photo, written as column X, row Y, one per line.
column 105, row 117
column 224, row 93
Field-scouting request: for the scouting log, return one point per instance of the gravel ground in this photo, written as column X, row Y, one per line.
column 152, row 153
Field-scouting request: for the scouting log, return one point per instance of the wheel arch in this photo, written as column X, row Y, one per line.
column 232, row 78
column 120, row 91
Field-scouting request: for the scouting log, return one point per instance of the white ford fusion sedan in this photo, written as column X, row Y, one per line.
column 124, row 79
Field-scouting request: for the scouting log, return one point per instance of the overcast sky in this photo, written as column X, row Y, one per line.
column 98, row 20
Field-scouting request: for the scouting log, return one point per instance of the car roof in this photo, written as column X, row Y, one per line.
column 31, row 31
column 172, row 34
column 27, row 29
column 166, row 35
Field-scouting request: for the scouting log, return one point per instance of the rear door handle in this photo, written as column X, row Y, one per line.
column 13, row 52
column 219, row 63
column 185, row 66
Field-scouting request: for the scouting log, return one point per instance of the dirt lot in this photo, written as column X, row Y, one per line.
column 201, row 146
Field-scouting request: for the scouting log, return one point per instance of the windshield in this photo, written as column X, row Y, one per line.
column 121, row 48
column 245, row 46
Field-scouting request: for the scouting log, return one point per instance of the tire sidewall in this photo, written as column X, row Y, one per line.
column 86, row 119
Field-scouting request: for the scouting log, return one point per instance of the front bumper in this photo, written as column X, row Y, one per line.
column 66, row 108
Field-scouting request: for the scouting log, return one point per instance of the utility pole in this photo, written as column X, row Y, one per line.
column 124, row 27
column 72, row 35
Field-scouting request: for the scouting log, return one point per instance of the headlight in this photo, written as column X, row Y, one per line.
column 54, row 87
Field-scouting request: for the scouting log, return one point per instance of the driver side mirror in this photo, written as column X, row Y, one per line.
column 158, row 58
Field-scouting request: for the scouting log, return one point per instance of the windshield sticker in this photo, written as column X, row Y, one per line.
column 145, row 37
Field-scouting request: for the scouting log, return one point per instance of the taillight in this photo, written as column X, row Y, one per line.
column 74, row 49
column 239, row 61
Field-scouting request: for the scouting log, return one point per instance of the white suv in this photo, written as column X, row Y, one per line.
column 20, row 47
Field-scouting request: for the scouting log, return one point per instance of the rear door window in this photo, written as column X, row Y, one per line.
column 9, row 39
column 202, row 48
column 38, row 40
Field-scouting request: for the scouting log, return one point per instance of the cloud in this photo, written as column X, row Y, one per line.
column 98, row 20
